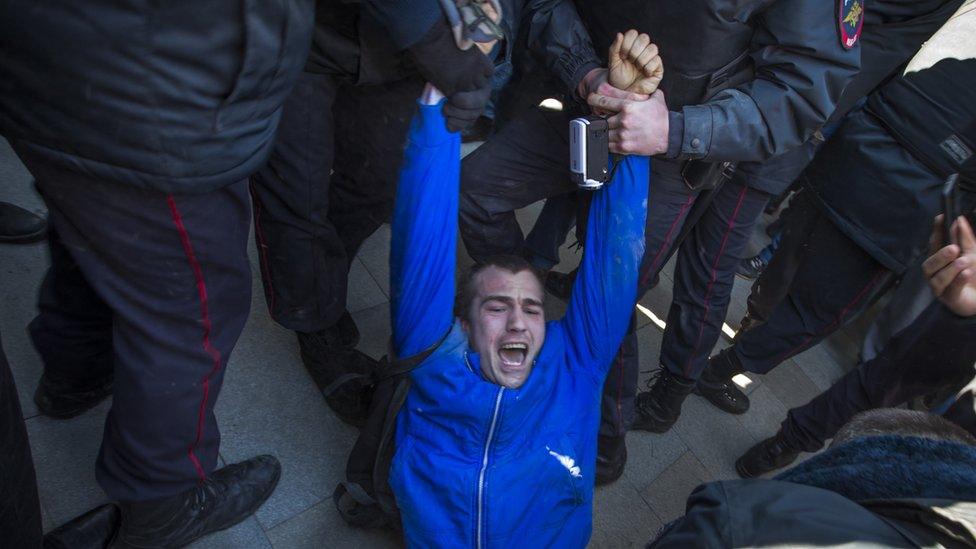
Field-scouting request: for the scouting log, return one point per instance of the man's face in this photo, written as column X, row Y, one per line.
column 506, row 325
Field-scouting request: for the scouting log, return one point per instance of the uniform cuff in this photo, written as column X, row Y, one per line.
column 676, row 131
column 696, row 138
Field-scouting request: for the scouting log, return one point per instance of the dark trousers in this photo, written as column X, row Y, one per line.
column 527, row 161
column 704, row 275
column 154, row 288
column 818, row 280
column 328, row 185
column 20, row 510
column 933, row 353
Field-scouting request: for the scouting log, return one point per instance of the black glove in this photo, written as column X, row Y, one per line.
column 464, row 77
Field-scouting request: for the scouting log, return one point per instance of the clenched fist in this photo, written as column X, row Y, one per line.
column 635, row 65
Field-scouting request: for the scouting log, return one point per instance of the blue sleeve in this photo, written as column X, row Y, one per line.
column 605, row 291
column 424, row 242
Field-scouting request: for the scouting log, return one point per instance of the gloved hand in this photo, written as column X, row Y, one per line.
column 463, row 76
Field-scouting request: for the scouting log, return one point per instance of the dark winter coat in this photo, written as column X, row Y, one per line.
column 180, row 97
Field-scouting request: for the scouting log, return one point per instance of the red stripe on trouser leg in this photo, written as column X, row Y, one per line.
column 205, row 322
column 652, row 266
column 713, row 277
column 837, row 320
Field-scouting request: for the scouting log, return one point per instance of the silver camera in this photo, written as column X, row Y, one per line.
column 589, row 151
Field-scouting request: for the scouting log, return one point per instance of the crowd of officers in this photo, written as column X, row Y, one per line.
column 156, row 133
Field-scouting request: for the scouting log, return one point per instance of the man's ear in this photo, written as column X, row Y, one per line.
column 465, row 325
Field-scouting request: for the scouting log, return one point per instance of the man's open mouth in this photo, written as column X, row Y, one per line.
column 513, row 354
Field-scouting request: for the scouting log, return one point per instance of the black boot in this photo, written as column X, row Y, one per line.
column 769, row 455
column 230, row 495
column 61, row 398
column 92, row 530
column 658, row 408
column 611, row 457
column 717, row 387
column 343, row 374
column 19, row 226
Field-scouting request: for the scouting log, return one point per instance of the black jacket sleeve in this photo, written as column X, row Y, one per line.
column 555, row 33
column 801, row 70
column 407, row 20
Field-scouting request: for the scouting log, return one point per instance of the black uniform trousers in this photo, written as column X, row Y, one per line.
column 528, row 161
column 328, row 185
column 20, row 509
column 155, row 289
column 934, row 353
column 818, row 280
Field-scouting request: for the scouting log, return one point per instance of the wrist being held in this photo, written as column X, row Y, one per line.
column 637, row 126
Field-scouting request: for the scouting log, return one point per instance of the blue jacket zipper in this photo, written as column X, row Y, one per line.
column 484, row 468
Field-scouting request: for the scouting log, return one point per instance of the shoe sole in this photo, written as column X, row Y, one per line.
column 735, row 412
column 742, row 472
column 25, row 239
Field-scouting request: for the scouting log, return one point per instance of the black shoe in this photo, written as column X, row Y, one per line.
column 769, row 455
column 343, row 375
column 751, row 267
column 92, row 530
column 19, row 226
column 560, row 284
column 230, row 495
column 717, row 387
column 659, row 408
column 611, row 458
column 63, row 399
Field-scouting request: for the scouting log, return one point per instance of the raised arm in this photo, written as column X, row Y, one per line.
column 424, row 243
column 603, row 297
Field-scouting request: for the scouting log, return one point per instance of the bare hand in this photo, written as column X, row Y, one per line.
column 635, row 65
column 951, row 270
column 638, row 127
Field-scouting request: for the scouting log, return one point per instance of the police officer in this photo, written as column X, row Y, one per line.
column 707, row 259
column 854, row 240
column 141, row 124
column 743, row 80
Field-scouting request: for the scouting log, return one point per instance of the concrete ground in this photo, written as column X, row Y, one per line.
column 269, row 404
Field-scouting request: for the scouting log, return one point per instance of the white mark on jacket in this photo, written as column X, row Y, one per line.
column 567, row 462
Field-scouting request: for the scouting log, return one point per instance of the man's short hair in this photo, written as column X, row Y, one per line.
column 467, row 289
column 910, row 423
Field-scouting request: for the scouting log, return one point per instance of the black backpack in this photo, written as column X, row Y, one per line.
column 365, row 499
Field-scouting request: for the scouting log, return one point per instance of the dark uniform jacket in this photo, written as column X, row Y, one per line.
column 885, row 491
column 351, row 40
column 745, row 79
column 177, row 96
column 879, row 178
column 893, row 32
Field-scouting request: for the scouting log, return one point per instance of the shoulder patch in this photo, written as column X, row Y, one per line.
column 850, row 19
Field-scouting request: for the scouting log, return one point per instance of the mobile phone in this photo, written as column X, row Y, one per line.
column 589, row 151
column 950, row 207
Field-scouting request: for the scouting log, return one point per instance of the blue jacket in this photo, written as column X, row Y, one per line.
column 478, row 464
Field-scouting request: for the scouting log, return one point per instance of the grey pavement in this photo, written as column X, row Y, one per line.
column 269, row 404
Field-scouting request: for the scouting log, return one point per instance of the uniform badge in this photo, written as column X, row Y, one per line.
column 850, row 19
